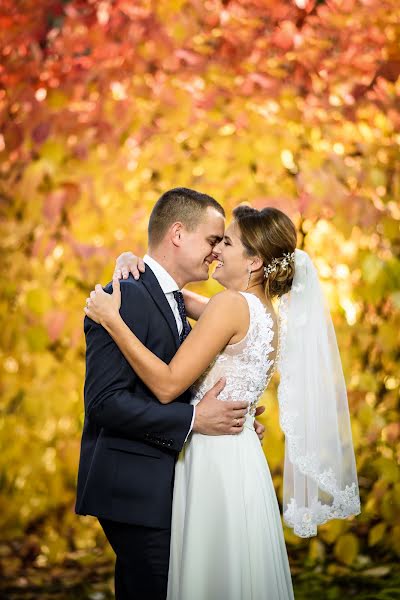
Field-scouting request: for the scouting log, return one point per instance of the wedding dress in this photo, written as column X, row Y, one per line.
column 227, row 539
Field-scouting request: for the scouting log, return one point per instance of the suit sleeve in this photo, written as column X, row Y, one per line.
column 111, row 401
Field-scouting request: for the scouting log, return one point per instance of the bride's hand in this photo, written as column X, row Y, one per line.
column 103, row 308
column 126, row 263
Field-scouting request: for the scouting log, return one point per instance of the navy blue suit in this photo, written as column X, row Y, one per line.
column 130, row 441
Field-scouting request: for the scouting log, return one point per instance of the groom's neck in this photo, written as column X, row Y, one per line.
column 168, row 262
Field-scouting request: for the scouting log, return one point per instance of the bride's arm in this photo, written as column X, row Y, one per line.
column 225, row 316
column 127, row 262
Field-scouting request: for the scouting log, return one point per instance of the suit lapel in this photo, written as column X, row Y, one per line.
column 149, row 280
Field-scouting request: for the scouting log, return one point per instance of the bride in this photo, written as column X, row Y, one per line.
column 226, row 538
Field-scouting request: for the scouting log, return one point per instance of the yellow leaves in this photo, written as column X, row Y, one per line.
column 376, row 534
column 357, row 433
column 37, row 338
column 346, row 549
column 53, row 151
column 377, row 177
column 388, row 339
column 366, row 132
column 288, row 160
column 371, row 268
column 273, row 442
column 291, row 538
column 388, row 469
column 228, row 129
column 332, row 531
column 366, row 413
column 395, row 539
column 46, row 366
column 317, row 551
column 166, row 9
column 38, row 300
column 389, row 510
column 57, row 99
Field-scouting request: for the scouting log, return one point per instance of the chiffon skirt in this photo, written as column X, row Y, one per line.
column 226, row 540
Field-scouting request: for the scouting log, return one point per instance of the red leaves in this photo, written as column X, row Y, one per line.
column 389, row 70
column 60, row 200
column 55, row 321
column 283, row 36
column 54, row 204
column 41, row 132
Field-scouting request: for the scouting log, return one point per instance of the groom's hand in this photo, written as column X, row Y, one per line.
column 259, row 427
column 214, row 417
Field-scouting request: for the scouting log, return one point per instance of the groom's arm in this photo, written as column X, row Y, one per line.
column 110, row 397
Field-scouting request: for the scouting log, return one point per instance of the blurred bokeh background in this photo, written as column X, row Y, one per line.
column 105, row 105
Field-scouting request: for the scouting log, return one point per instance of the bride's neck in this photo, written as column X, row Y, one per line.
column 258, row 290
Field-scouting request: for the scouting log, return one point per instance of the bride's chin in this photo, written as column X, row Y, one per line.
column 220, row 278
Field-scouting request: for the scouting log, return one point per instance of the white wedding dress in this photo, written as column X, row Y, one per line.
column 227, row 540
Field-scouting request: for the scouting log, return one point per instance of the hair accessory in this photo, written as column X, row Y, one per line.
column 282, row 261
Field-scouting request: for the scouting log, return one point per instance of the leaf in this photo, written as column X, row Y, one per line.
column 388, row 469
column 376, row 534
column 317, row 551
column 37, row 339
column 346, row 548
column 38, row 300
column 372, row 267
column 381, row 571
column 41, row 132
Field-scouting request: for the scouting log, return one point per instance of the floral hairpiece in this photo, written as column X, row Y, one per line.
column 282, row 261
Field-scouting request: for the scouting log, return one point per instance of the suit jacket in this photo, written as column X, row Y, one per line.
column 130, row 440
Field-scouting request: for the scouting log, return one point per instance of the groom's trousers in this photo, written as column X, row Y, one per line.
column 141, row 568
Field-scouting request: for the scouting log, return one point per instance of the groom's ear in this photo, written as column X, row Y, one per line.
column 176, row 231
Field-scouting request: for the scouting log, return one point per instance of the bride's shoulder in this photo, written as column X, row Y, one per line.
column 228, row 299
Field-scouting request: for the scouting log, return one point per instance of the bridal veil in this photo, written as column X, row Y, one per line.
column 320, row 478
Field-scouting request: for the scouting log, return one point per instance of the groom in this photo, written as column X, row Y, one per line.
column 130, row 441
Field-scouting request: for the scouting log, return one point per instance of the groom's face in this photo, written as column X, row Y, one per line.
column 196, row 252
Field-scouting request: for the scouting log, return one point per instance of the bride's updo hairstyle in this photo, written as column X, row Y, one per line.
column 269, row 234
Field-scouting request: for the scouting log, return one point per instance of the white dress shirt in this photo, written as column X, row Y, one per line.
column 168, row 286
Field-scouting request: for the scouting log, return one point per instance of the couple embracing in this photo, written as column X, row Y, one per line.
column 171, row 462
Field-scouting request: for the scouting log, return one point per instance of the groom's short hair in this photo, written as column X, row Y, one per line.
column 179, row 204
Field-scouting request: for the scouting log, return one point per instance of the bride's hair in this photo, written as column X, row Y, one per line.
column 269, row 234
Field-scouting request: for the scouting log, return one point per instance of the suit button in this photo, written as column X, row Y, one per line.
column 170, row 442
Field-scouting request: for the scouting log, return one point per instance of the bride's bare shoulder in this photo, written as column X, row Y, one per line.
column 228, row 300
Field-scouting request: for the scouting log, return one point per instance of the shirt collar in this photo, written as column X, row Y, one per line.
column 167, row 283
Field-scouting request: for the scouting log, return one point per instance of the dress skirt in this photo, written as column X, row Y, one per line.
column 226, row 538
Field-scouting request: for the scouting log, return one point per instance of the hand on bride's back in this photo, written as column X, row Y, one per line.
column 126, row 263
column 259, row 427
column 214, row 417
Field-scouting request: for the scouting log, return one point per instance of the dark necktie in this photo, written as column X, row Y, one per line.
column 182, row 313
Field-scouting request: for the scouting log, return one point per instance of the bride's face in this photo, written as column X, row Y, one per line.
column 232, row 270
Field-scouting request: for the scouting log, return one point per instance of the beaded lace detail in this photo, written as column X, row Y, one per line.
column 246, row 365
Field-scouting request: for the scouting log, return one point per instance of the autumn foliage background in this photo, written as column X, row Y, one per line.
column 105, row 105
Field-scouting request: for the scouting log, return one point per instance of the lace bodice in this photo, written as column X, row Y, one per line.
column 246, row 365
